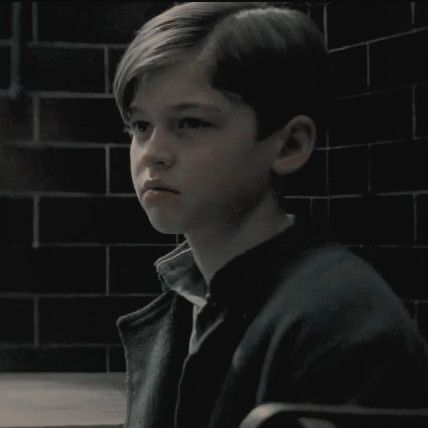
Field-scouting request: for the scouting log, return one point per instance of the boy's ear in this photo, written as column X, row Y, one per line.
column 296, row 142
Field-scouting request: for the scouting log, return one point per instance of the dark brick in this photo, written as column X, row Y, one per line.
column 400, row 166
column 69, row 359
column 349, row 70
column 377, row 220
column 15, row 168
column 405, row 270
column 421, row 13
column 349, row 219
column 421, row 101
column 120, row 173
column 392, row 220
column 321, row 135
column 422, row 215
column 300, row 207
column 5, row 18
column 16, row 220
column 62, row 169
column 309, row 180
column 348, row 170
column 399, row 60
column 96, row 220
column 375, row 117
column 115, row 54
column 319, row 209
column 81, row 119
column 84, row 320
column 16, row 320
column 67, row 69
column 316, row 12
column 353, row 21
column 16, row 120
column 132, row 269
column 53, row 270
column 99, row 22
column 5, row 67
column 410, row 307
column 422, row 318
column 117, row 359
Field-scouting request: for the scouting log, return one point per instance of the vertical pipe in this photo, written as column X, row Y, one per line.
column 16, row 87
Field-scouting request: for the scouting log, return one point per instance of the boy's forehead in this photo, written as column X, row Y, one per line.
column 178, row 87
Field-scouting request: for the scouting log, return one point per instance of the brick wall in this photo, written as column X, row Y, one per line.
column 76, row 249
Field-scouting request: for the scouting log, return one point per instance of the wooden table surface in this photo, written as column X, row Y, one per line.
column 62, row 400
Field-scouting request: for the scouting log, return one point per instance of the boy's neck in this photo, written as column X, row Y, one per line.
column 215, row 248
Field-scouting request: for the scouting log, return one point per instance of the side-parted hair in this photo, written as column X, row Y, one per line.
column 272, row 58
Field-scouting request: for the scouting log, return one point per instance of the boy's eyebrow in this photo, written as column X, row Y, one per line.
column 188, row 106
column 179, row 107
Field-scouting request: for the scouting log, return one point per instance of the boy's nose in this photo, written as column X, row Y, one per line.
column 157, row 150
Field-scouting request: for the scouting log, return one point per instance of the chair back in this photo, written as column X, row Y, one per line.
column 283, row 415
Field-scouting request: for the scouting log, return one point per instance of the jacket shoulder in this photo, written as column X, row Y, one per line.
column 146, row 314
column 331, row 292
column 331, row 276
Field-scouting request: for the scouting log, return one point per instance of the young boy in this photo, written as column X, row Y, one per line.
column 222, row 100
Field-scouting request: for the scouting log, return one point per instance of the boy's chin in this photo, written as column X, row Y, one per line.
column 165, row 227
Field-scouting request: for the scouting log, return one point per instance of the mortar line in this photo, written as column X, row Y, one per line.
column 324, row 18
column 415, row 220
column 62, row 296
column 106, row 69
column 368, row 79
column 327, row 167
column 35, row 20
column 369, row 169
column 36, row 221
column 380, row 39
column 108, row 359
column 107, row 169
column 413, row 112
column 107, row 270
column 327, row 144
column 73, row 45
column 36, row 322
column 72, row 95
column 36, row 118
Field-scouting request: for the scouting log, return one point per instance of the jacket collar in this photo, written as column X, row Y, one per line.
column 251, row 272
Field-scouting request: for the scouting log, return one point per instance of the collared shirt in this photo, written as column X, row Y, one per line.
column 178, row 271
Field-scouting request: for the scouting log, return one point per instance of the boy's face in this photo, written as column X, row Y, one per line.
column 191, row 139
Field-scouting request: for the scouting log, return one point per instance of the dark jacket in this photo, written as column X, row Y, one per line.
column 301, row 321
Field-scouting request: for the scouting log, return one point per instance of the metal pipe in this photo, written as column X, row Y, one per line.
column 16, row 89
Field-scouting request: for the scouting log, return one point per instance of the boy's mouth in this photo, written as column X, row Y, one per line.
column 155, row 185
column 161, row 189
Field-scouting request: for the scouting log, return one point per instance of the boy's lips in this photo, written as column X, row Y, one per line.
column 158, row 185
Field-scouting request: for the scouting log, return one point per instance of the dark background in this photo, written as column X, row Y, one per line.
column 76, row 250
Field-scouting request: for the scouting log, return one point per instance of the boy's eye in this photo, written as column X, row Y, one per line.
column 192, row 123
column 139, row 126
column 136, row 128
